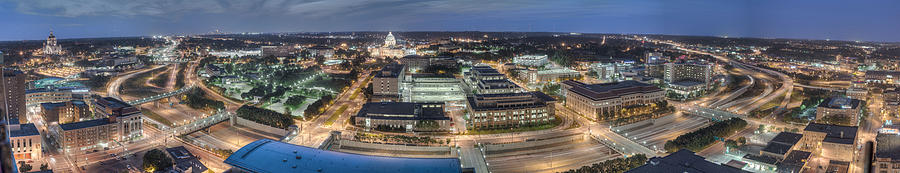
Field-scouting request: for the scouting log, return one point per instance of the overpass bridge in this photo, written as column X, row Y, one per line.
column 194, row 125
column 714, row 114
column 160, row 96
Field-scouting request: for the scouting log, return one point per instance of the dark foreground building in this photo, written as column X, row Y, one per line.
column 683, row 161
column 268, row 156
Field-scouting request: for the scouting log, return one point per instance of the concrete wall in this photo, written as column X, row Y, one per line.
column 530, row 144
column 261, row 127
column 391, row 150
column 358, row 144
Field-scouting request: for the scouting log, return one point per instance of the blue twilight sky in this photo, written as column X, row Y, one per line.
column 866, row 20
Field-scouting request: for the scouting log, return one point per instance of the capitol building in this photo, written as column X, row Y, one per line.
column 390, row 48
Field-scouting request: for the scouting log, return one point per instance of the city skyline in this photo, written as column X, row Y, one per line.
column 858, row 21
column 449, row 86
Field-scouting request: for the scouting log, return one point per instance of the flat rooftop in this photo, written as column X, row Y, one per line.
column 185, row 160
column 85, row 124
column 683, row 161
column 480, row 102
column 392, row 71
column 840, row 103
column 610, row 90
column 269, row 156
column 782, row 142
column 887, row 146
column 403, row 111
column 112, row 103
column 834, row 133
column 24, row 130
column 794, row 161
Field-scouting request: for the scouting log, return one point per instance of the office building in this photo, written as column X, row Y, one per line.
column 887, row 152
column 688, row 78
column 265, row 155
column 13, row 93
column 779, row 155
column 508, row 110
column 402, row 116
column 65, row 112
column 483, row 79
column 654, row 58
column 323, row 51
column 781, row 145
column 386, row 83
column 25, row 142
column 416, row 63
column 610, row 72
column 185, row 161
column 605, row 101
column 794, row 162
column 548, row 75
column 432, row 88
column 832, row 142
column 127, row 117
column 83, row 136
column 277, row 51
column 857, row 90
column 531, row 60
column 683, row 161
column 839, row 110
column 43, row 95
column 891, row 103
column 882, row 77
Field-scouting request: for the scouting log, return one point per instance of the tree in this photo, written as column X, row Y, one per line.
column 617, row 165
column 265, row 116
column 427, row 125
column 196, row 98
column 742, row 140
column 155, row 160
column 24, row 167
column 699, row 139
column 731, row 143
column 294, row 101
column 45, row 167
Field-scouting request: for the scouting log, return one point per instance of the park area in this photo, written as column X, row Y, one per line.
column 294, row 90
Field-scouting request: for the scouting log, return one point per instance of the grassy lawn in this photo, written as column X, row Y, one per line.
column 335, row 115
column 135, row 86
column 160, row 80
column 773, row 103
column 359, row 89
column 152, row 115
column 179, row 78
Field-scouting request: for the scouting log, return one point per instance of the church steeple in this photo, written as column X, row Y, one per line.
column 50, row 46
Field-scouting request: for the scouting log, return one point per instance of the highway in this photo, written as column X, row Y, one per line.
column 113, row 88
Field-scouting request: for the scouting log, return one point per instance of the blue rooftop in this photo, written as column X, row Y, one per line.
column 24, row 130
column 268, row 156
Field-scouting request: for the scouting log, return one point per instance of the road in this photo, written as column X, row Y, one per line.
column 314, row 132
column 113, row 88
column 191, row 75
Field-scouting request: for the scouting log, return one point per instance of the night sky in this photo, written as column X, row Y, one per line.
column 864, row 20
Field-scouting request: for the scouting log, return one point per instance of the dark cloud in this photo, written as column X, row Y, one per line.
column 863, row 19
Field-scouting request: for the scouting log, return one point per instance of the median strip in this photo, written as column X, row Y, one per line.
column 335, row 115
